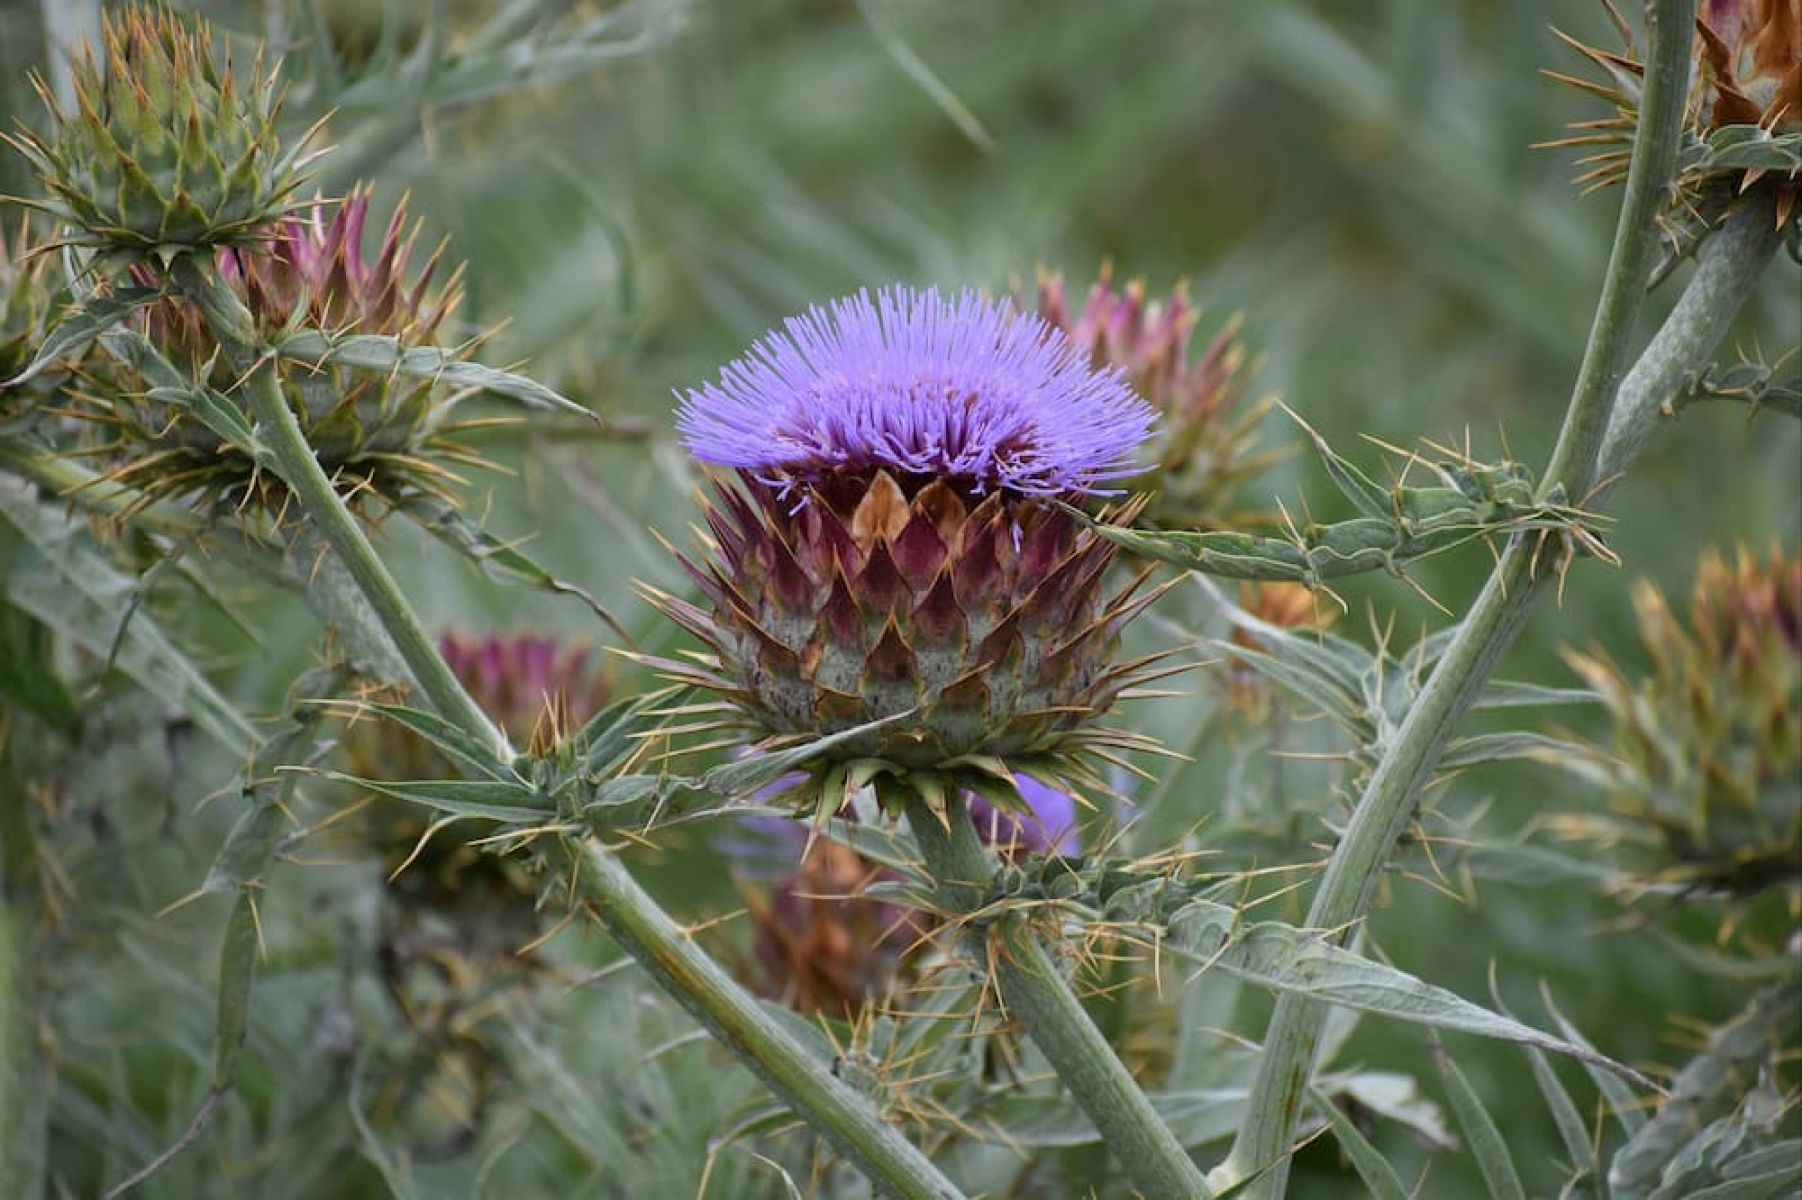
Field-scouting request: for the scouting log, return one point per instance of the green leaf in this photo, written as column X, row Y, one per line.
column 387, row 355
column 1505, row 747
column 1507, row 693
column 1371, row 1166
column 1487, row 1145
column 81, row 595
column 510, row 803
column 1287, row 959
column 450, row 740
column 27, row 676
column 1623, row 1106
column 496, row 559
column 238, row 954
column 80, row 327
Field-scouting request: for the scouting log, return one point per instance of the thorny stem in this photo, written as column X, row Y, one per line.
column 1038, row 997
column 1670, row 26
column 1387, row 804
column 296, row 463
column 845, row 1118
column 842, row 1115
column 1727, row 270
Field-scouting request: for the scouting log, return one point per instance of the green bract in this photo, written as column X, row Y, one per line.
column 165, row 147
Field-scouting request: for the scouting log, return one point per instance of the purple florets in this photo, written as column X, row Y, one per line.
column 963, row 389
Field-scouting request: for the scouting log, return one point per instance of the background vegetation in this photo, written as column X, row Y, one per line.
column 1356, row 179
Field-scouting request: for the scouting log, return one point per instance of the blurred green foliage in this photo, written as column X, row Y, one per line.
column 1355, row 178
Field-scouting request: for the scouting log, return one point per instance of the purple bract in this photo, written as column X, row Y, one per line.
column 912, row 382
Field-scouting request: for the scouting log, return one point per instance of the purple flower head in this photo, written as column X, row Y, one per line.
column 911, row 382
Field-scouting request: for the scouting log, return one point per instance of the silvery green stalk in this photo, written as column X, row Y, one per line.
column 840, row 1114
column 1387, row 804
column 1037, row 995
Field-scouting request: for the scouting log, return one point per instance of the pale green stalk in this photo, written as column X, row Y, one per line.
column 1728, row 267
column 295, row 462
column 1262, row 1147
column 1037, row 996
column 838, row 1113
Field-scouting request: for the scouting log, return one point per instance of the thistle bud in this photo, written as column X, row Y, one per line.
column 1709, row 740
column 166, row 147
column 534, row 688
column 891, row 549
column 379, row 431
column 1200, row 451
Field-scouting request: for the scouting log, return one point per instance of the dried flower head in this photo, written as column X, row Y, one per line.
column 166, row 147
column 378, row 431
column 1707, row 764
column 1201, row 450
column 1248, row 694
column 821, row 943
column 889, row 551
column 1743, row 124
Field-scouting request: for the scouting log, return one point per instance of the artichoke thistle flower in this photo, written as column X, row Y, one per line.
column 891, row 549
column 166, row 147
column 1200, row 452
column 378, row 431
column 1707, row 764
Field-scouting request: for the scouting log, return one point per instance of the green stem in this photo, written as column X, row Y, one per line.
column 894, row 1165
column 1261, row 1151
column 843, row 1116
column 1670, row 26
column 1037, row 995
column 299, row 467
column 1727, row 272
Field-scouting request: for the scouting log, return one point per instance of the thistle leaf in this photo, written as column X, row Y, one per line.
column 1371, row 1166
column 1287, row 959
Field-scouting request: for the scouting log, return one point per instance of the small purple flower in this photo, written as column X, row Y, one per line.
column 1047, row 826
column 920, row 385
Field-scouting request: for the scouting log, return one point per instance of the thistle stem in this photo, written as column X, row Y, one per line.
column 840, row 1114
column 1670, row 27
column 1728, row 268
column 295, row 462
column 1262, row 1147
column 845, row 1118
column 1039, row 998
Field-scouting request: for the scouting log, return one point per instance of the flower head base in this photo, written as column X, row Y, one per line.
column 166, row 148
column 922, row 387
column 379, row 431
column 1200, row 452
column 1707, row 763
column 889, row 554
